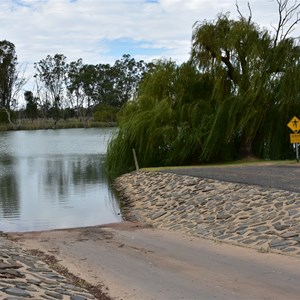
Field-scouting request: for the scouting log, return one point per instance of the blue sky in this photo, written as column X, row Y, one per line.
column 118, row 47
column 101, row 31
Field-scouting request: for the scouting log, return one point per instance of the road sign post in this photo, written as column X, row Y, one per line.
column 294, row 125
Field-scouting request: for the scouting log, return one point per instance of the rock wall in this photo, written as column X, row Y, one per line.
column 252, row 216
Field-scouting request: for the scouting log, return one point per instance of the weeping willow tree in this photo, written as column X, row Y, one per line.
column 252, row 92
column 164, row 124
column 232, row 99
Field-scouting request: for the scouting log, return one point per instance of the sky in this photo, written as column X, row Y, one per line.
column 101, row 31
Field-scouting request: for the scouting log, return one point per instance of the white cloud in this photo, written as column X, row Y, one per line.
column 81, row 29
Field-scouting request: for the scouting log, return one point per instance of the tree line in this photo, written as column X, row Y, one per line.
column 232, row 99
column 68, row 90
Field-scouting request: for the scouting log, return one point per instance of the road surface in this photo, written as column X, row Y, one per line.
column 269, row 175
column 144, row 263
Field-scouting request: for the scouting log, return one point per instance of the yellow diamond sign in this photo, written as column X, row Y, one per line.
column 294, row 124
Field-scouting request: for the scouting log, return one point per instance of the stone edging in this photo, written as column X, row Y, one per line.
column 25, row 276
column 247, row 215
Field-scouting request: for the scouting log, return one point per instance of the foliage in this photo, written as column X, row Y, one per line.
column 31, row 105
column 11, row 79
column 128, row 74
column 75, row 86
column 92, row 85
column 232, row 99
column 250, row 71
column 3, row 117
column 105, row 113
column 158, row 122
column 8, row 63
column 52, row 71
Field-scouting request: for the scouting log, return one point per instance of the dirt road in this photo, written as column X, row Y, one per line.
column 140, row 263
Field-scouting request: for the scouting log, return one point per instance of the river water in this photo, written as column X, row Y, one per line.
column 52, row 179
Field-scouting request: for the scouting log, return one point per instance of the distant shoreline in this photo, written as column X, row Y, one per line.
column 41, row 123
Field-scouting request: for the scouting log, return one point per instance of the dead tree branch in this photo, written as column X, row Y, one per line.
column 288, row 18
column 240, row 13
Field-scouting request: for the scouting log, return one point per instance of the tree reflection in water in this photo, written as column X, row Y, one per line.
column 9, row 203
column 60, row 176
column 54, row 179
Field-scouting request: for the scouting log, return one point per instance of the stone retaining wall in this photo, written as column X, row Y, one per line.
column 266, row 219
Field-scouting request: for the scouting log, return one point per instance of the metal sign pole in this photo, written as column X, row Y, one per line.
column 294, row 125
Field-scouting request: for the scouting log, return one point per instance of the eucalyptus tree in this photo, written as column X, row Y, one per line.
column 42, row 98
column 103, row 85
column 128, row 75
column 52, row 72
column 75, row 89
column 90, row 83
column 118, row 83
column 31, row 105
column 8, row 64
column 106, row 93
column 12, row 78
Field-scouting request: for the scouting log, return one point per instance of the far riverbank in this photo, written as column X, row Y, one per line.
column 49, row 123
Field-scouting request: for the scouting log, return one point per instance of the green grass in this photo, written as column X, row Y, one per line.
column 242, row 162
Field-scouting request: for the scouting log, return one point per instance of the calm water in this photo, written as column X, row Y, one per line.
column 54, row 179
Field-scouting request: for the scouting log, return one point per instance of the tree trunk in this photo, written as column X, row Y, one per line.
column 246, row 148
column 15, row 126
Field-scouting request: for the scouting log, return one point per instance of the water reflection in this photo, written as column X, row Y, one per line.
column 54, row 179
column 61, row 176
column 10, row 206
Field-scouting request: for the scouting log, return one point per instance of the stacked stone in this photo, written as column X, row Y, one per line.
column 23, row 276
column 266, row 219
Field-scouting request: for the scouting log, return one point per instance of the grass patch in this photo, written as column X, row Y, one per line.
column 242, row 162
